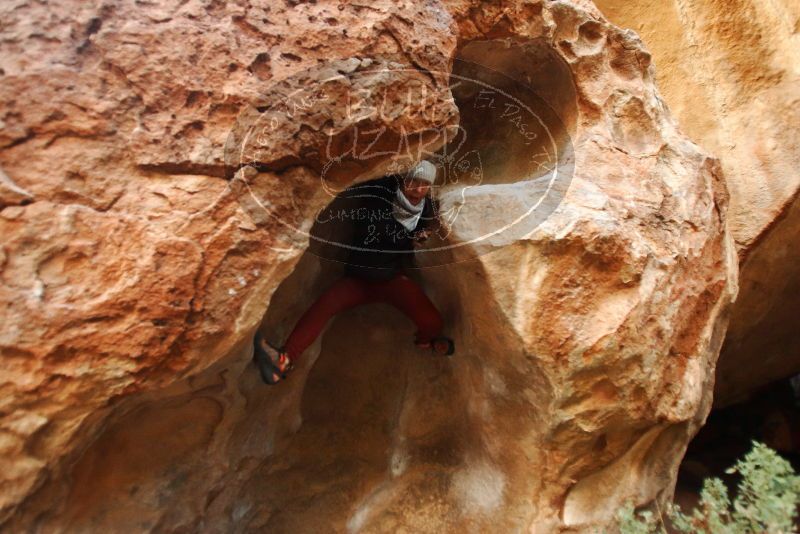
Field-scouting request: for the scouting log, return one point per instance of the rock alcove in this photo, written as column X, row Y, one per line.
column 384, row 423
column 586, row 338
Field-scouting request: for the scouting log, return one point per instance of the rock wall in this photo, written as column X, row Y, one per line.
column 141, row 248
column 729, row 72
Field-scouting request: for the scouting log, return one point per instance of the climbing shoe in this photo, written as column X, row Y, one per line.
column 272, row 363
column 441, row 345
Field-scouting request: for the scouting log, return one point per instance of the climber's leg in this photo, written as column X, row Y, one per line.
column 345, row 293
column 407, row 296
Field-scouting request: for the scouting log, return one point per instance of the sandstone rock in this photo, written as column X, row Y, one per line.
column 729, row 73
column 156, row 243
column 12, row 194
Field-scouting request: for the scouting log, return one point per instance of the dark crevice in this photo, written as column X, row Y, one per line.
column 217, row 171
column 771, row 416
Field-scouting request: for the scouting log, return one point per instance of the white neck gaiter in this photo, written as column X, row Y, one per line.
column 406, row 213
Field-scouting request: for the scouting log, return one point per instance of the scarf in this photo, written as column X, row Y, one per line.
column 406, row 213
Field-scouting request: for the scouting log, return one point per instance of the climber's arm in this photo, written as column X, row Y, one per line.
column 429, row 222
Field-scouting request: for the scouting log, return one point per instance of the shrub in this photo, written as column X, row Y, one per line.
column 766, row 502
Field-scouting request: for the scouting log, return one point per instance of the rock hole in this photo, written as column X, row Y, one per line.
column 260, row 66
column 517, row 105
column 591, row 31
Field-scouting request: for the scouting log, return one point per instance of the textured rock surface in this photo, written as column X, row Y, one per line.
column 730, row 72
column 133, row 276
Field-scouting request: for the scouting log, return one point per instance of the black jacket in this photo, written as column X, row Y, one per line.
column 379, row 246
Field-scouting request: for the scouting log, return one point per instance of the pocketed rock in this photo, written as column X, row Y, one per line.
column 149, row 247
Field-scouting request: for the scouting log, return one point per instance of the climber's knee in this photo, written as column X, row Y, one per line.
column 430, row 324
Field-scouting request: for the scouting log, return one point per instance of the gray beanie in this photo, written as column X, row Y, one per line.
column 424, row 170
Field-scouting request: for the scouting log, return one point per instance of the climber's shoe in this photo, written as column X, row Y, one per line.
column 443, row 345
column 440, row 345
column 272, row 363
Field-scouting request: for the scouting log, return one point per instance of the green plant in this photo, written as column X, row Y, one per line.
column 766, row 502
column 631, row 522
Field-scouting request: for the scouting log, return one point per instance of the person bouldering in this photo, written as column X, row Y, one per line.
column 391, row 215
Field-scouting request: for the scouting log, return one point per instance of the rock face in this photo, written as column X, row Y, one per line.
column 730, row 72
column 161, row 177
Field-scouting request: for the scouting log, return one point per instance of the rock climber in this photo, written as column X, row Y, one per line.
column 393, row 214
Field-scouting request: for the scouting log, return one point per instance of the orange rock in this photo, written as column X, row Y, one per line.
column 173, row 158
column 729, row 74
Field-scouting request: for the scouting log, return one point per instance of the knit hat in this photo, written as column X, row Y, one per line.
column 424, row 170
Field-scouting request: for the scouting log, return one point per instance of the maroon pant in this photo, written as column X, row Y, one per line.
column 348, row 292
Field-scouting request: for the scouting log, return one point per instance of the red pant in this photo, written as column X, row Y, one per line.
column 348, row 292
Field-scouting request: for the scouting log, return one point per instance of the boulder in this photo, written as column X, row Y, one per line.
column 729, row 73
column 167, row 164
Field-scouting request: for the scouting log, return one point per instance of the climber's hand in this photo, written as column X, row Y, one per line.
column 421, row 236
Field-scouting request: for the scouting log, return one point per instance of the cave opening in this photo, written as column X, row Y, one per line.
column 375, row 416
column 770, row 415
